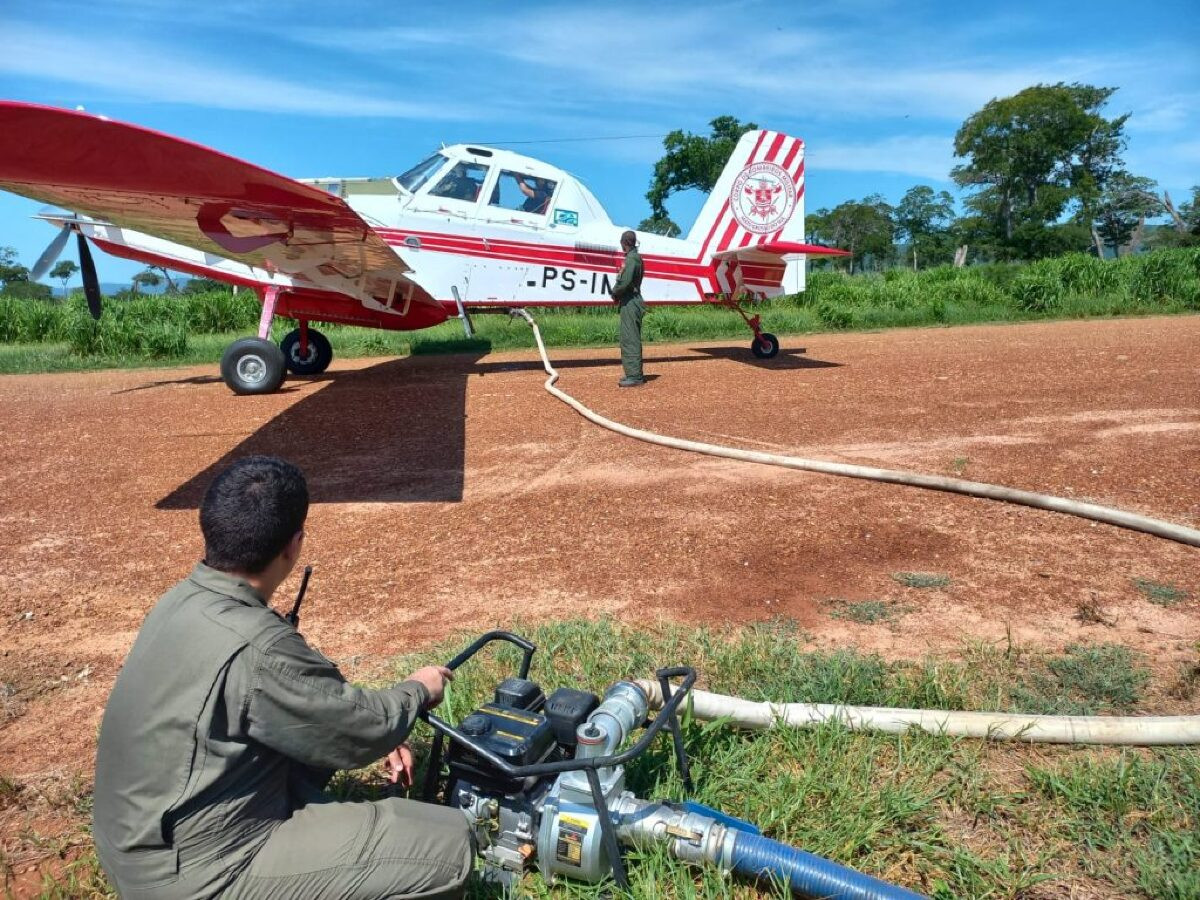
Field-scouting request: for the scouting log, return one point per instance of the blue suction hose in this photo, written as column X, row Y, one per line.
column 756, row 856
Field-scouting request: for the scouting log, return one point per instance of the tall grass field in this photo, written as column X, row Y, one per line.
column 196, row 327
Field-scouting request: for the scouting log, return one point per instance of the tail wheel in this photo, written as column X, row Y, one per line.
column 253, row 366
column 765, row 345
column 315, row 361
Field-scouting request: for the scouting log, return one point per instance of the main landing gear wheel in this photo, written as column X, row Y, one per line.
column 765, row 345
column 253, row 366
column 320, row 353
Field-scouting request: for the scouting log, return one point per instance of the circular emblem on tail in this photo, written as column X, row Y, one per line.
column 763, row 197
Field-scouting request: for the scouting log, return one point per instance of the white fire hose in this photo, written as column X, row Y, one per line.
column 1136, row 730
column 1120, row 518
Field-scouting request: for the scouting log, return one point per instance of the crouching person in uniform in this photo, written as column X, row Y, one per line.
column 224, row 726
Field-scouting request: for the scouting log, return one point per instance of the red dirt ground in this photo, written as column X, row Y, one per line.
column 453, row 492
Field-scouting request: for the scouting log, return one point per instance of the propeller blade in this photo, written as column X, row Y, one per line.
column 50, row 255
column 91, row 284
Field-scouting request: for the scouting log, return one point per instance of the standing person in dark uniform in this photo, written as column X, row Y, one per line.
column 224, row 727
column 627, row 294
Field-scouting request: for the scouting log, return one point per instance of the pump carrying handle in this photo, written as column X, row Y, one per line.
column 665, row 716
column 482, row 641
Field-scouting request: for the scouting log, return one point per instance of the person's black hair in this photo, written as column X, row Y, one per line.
column 250, row 512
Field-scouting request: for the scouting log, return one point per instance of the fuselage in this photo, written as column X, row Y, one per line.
column 461, row 219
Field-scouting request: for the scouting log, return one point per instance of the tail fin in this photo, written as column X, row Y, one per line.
column 759, row 197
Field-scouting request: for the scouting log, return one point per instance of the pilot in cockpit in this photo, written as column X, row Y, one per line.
column 459, row 185
column 537, row 191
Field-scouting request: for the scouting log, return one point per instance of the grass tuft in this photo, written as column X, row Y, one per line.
column 1162, row 594
column 867, row 612
column 922, row 579
column 1086, row 681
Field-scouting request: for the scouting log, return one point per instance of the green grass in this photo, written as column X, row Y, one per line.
column 37, row 336
column 950, row 818
column 922, row 579
column 867, row 612
column 1162, row 594
column 1087, row 680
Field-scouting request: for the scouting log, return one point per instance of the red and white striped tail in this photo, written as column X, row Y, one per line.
column 758, row 199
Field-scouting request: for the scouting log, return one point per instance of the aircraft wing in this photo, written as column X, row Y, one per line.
column 182, row 192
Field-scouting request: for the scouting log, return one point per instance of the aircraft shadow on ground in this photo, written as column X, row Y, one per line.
column 396, row 432
column 390, row 433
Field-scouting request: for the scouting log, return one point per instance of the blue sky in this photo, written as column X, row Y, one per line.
column 877, row 88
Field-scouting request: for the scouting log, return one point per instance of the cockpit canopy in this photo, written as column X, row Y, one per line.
column 484, row 184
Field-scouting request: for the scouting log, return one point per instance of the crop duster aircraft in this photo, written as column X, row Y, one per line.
column 468, row 228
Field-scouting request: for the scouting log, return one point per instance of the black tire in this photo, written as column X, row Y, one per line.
column 320, row 353
column 765, row 345
column 253, row 366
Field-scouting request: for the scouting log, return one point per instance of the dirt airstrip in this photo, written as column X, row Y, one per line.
column 453, row 492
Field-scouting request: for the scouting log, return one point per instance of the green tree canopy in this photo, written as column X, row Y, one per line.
column 147, row 278
column 63, row 270
column 924, row 219
column 1124, row 205
column 10, row 269
column 1031, row 156
column 866, row 228
column 690, row 161
column 1184, row 230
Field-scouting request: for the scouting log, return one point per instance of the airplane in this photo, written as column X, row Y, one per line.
column 467, row 229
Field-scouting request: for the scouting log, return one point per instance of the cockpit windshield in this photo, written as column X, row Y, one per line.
column 420, row 173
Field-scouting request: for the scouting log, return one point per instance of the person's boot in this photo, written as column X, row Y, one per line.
column 629, row 381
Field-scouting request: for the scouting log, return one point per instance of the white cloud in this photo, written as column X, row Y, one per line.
column 726, row 56
column 149, row 72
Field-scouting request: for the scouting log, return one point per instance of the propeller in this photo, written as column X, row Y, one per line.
column 87, row 267
column 50, row 255
column 91, row 284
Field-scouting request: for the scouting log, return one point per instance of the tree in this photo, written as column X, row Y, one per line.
column 864, row 227
column 659, row 225
column 149, row 278
column 1121, row 213
column 924, row 218
column 1031, row 156
column 1184, row 230
column 690, row 161
column 202, row 285
column 11, row 271
column 171, row 287
column 63, row 270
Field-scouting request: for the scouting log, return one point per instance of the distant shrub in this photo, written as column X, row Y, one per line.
column 148, row 327
column 31, row 321
column 834, row 314
column 217, row 311
column 1039, row 288
column 1167, row 277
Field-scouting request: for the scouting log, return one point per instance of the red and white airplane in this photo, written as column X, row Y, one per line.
column 467, row 228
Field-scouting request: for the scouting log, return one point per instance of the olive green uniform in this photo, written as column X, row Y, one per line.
column 628, row 294
column 221, row 731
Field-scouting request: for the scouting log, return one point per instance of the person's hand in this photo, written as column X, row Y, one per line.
column 399, row 764
column 434, row 679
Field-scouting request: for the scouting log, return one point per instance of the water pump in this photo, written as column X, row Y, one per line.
column 541, row 780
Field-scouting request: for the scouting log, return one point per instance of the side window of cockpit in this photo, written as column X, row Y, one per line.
column 522, row 193
column 463, row 182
